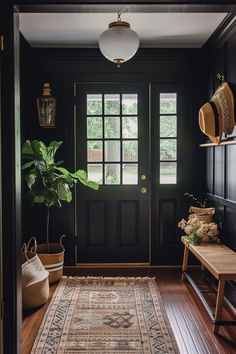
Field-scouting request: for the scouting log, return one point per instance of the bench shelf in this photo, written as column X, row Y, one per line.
column 220, row 261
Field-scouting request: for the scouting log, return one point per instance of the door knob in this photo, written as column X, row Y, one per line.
column 143, row 177
column 143, row 190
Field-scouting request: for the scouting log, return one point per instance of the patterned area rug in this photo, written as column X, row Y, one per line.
column 104, row 316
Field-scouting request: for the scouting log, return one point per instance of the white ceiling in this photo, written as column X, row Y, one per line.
column 175, row 30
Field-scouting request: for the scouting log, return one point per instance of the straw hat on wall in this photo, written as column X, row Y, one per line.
column 217, row 116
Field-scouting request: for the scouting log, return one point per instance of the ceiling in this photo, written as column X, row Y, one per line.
column 166, row 30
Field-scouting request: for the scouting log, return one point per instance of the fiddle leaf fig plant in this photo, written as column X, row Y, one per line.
column 48, row 183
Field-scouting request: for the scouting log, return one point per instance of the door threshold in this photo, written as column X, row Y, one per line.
column 113, row 265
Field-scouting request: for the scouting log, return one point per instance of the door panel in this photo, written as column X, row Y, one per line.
column 112, row 145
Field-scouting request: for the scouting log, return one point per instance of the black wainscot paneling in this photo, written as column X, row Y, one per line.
column 167, row 219
column 231, row 173
column 209, row 170
column 219, row 171
column 230, row 227
column 128, row 222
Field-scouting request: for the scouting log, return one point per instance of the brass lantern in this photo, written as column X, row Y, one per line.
column 46, row 106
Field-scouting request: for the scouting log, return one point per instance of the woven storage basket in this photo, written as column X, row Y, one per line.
column 35, row 285
column 52, row 259
column 203, row 214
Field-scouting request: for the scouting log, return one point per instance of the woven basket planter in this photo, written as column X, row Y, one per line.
column 35, row 285
column 52, row 258
column 203, row 214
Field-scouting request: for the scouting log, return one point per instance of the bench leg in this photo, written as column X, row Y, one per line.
column 219, row 302
column 185, row 261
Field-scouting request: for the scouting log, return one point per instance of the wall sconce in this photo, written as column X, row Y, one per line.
column 46, row 106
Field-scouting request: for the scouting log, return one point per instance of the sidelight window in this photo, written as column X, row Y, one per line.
column 112, row 138
column 168, row 138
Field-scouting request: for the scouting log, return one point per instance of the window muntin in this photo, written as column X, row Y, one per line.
column 168, row 138
column 112, row 138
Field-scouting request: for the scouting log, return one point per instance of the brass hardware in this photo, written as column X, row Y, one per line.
column 143, row 177
column 143, row 190
column 2, row 44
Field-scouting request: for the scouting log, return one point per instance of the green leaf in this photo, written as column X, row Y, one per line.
column 30, row 179
column 64, row 192
column 81, row 175
column 28, row 164
column 52, row 148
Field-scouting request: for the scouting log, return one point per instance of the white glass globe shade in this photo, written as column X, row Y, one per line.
column 118, row 43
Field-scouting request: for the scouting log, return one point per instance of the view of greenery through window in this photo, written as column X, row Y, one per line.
column 168, row 138
column 112, row 138
column 112, row 132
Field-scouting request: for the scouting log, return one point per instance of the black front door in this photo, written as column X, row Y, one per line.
column 112, row 134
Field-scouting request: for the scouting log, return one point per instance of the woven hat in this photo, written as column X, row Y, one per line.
column 217, row 116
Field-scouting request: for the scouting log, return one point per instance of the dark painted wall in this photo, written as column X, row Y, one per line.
column 62, row 68
column 221, row 160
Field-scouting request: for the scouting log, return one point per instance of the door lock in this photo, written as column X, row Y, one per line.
column 143, row 190
column 143, row 177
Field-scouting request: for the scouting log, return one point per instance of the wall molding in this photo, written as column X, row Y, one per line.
column 221, row 200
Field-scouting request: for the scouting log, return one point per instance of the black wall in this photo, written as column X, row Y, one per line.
column 221, row 160
column 159, row 67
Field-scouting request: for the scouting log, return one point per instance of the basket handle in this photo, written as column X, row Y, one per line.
column 35, row 244
column 62, row 236
column 24, row 249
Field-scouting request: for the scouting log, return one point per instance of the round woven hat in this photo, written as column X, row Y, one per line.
column 217, row 116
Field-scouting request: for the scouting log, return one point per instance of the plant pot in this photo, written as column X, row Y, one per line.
column 203, row 214
column 52, row 258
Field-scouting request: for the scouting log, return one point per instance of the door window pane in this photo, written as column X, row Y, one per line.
column 168, row 126
column 112, row 150
column 95, row 172
column 168, row 173
column 112, row 104
column 130, row 173
column 94, row 127
column 94, row 104
column 130, row 127
column 112, row 127
column 130, row 150
column 167, row 149
column 112, row 173
column 129, row 104
column 94, row 151
column 168, row 103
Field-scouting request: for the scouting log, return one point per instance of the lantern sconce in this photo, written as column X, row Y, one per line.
column 46, row 105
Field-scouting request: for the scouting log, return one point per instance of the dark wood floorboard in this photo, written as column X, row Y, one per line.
column 191, row 325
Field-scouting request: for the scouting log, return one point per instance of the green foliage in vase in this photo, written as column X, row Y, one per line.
column 202, row 203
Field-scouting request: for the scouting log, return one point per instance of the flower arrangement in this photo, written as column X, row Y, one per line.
column 199, row 231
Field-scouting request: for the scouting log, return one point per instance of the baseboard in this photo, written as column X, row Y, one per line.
column 125, row 266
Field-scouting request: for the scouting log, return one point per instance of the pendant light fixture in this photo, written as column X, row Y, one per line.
column 118, row 43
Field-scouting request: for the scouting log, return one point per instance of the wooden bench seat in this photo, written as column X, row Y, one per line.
column 220, row 261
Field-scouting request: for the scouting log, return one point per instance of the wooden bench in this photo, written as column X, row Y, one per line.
column 220, row 261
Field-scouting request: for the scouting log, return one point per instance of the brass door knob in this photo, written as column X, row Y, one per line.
column 143, row 177
column 143, row 190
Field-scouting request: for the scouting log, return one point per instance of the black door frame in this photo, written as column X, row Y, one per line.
column 10, row 113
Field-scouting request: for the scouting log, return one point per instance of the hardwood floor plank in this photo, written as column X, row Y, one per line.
column 191, row 324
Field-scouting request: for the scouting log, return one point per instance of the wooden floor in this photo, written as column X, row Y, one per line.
column 190, row 323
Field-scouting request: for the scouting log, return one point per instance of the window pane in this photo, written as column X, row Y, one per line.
column 130, row 173
column 168, row 126
column 94, row 127
column 94, row 152
column 112, row 173
column 129, row 104
column 112, row 104
column 112, row 127
column 130, row 150
column 94, row 104
column 168, row 149
column 112, row 150
column 130, row 127
column 168, row 173
column 95, row 173
column 168, row 103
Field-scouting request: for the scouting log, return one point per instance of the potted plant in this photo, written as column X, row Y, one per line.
column 49, row 183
